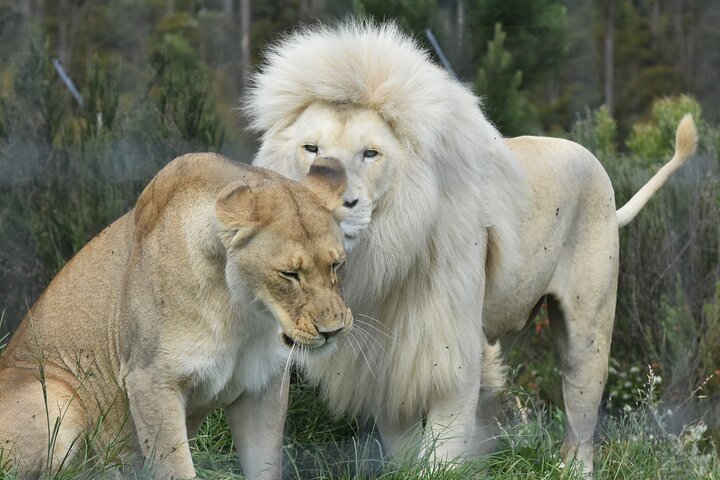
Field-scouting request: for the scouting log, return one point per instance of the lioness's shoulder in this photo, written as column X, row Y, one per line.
column 188, row 175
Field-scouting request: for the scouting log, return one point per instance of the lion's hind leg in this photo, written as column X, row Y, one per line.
column 41, row 429
column 581, row 320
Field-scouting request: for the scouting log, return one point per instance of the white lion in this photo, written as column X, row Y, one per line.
column 455, row 235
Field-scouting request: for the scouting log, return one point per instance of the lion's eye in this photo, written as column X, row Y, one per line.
column 370, row 153
column 310, row 148
column 290, row 275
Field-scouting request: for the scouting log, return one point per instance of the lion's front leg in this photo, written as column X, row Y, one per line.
column 450, row 430
column 401, row 437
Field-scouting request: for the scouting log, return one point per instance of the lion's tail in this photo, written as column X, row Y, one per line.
column 686, row 139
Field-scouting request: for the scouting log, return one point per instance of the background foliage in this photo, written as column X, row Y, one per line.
column 160, row 78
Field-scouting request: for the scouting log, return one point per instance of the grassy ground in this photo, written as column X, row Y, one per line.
column 635, row 444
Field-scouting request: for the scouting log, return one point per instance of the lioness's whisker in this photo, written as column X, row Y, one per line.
column 303, row 354
column 369, row 339
column 378, row 322
column 352, row 346
column 367, row 362
column 374, row 328
column 287, row 365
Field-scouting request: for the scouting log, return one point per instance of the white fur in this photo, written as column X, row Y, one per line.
column 446, row 192
column 465, row 233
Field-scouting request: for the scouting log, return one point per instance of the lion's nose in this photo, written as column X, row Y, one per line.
column 350, row 203
column 330, row 332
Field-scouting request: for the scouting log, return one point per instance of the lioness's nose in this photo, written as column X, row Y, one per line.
column 330, row 332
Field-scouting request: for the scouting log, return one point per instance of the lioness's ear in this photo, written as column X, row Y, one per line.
column 236, row 210
column 327, row 179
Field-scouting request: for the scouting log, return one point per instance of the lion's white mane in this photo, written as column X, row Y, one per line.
column 421, row 266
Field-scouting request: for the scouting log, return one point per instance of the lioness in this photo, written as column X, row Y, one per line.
column 454, row 234
column 189, row 302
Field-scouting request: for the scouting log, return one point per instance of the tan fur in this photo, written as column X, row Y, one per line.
column 453, row 233
column 185, row 304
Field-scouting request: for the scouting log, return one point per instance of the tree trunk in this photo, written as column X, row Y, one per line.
column 24, row 7
column 38, row 11
column 459, row 24
column 305, row 9
column 245, row 42
column 169, row 7
column 689, row 49
column 228, row 8
column 63, row 18
column 315, row 7
column 609, row 65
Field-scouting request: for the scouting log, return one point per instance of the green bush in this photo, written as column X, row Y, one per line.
column 597, row 131
column 667, row 314
column 68, row 170
column 651, row 143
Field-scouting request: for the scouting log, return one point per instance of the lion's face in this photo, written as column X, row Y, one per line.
column 362, row 142
column 285, row 256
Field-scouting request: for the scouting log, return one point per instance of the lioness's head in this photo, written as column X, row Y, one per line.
column 360, row 139
column 285, row 251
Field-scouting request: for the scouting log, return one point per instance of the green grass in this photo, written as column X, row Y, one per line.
column 634, row 444
column 631, row 445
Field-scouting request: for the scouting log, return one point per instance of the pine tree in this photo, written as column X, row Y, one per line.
column 412, row 15
column 536, row 38
column 499, row 84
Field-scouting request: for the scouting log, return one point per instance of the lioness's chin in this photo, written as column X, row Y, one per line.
column 320, row 345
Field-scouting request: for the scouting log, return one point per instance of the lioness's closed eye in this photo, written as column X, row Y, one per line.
column 191, row 301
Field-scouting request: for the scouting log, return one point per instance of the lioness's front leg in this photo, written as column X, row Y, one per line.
column 158, row 411
column 257, row 424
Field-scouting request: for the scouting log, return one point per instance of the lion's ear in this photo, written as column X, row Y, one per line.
column 327, row 179
column 237, row 213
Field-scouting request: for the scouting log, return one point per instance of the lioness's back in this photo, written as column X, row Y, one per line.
column 86, row 290
column 65, row 350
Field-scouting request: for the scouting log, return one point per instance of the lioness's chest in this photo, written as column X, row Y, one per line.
column 223, row 370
